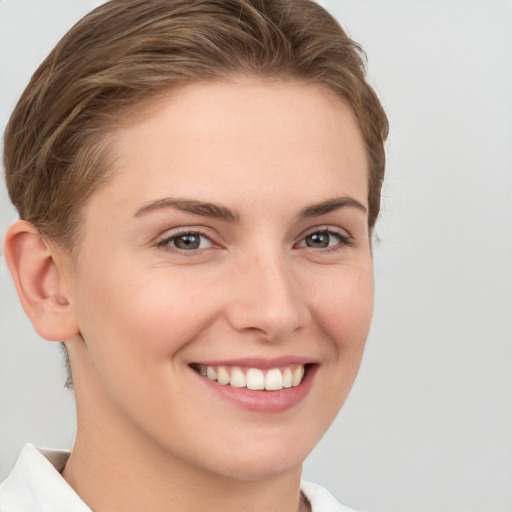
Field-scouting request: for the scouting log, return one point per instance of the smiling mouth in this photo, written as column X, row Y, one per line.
column 273, row 379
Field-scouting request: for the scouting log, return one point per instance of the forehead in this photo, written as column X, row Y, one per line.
column 247, row 136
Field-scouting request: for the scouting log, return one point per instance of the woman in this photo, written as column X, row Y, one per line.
column 197, row 186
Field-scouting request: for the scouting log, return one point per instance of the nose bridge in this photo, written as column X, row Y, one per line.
column 268, row 298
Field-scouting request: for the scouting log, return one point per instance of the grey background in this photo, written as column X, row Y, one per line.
column 428, row 426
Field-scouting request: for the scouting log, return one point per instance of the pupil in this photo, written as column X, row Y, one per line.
column 318, row 240
column 187, row 242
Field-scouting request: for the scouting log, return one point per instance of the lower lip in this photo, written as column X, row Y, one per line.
column 263, row 401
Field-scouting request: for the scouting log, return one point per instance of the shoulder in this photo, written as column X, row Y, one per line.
column 35, row 483
column 321, row 499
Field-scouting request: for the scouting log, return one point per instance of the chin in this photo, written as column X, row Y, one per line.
column 258, row 470
column 261, row 460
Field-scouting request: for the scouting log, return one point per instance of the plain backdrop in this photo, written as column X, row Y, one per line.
column 428, row 425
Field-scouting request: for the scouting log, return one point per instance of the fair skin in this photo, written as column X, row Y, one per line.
column 234, row 233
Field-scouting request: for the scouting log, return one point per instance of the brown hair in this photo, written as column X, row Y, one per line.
column 127, row 52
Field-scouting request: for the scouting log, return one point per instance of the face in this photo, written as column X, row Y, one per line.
column 229, row 253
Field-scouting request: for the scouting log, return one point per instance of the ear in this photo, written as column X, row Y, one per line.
column 37, row 269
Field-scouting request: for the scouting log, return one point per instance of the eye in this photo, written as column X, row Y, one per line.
column 325, row 239
column 187, row 241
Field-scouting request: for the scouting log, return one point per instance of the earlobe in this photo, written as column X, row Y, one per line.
column 39, row 279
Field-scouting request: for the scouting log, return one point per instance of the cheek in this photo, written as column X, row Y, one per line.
column 148, row 313
column 344, row 308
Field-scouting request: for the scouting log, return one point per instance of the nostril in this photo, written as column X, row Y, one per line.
column 269, row 304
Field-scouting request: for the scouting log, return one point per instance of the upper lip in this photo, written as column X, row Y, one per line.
column 259, row 362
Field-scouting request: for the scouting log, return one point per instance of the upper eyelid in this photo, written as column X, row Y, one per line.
column 211, row 235
column 184, row 230
column 325, row 227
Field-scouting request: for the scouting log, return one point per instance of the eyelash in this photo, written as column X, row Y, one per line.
column 165, row 243
column 344, row 240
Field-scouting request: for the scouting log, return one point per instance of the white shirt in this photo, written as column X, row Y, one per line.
column 36, row 485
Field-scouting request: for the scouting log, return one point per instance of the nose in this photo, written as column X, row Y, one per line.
column 266, row 299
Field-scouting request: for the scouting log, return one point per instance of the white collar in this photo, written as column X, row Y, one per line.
column 36, row 485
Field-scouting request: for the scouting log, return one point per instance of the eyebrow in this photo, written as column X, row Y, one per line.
column 217, row 211
column 331, row 205
column 212, row 210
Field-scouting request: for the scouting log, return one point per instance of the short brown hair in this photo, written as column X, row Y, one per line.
column 127, row 52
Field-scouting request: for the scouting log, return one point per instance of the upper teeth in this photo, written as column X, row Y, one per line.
column 254, row 378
